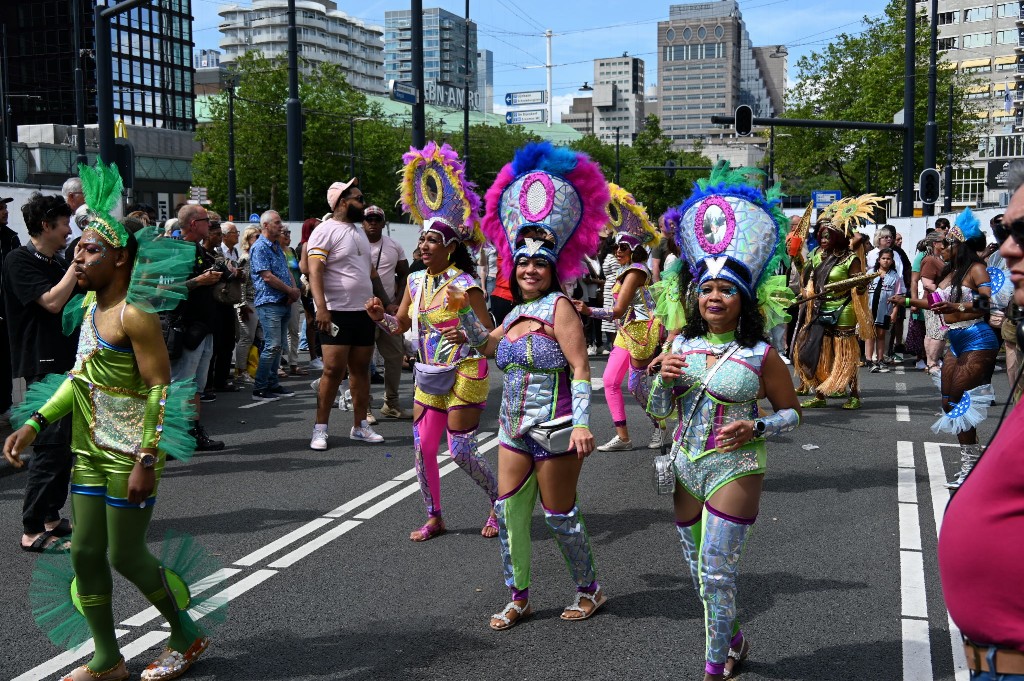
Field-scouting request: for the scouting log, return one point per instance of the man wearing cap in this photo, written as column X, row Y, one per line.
column 392, row 268
column 8, row 242
column 342, row 279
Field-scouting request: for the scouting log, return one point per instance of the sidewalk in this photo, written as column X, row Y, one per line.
column 6, row 429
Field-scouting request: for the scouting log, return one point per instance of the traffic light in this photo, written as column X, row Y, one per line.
column 930, row 185
column 744, row 120
column 670, row 168
column 124, row 157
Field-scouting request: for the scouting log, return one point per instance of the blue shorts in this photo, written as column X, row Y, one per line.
column 980, row 336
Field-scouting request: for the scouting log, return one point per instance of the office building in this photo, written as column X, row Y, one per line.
column 205, row 59
column 485, row 79
column 445, row 69
column 618, row 98
column 151, row 49
column 324, row 34
column 580, row 115
column 708, row 65
column 983, row 40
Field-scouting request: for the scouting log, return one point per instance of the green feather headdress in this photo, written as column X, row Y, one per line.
column 102, row 187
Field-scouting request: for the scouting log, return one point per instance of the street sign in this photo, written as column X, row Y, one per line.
column 197, row 195
column 402, row 92
column 526, row 116
column 930, row 184
column 254, row 218
column 521, row 98
column 825, row 198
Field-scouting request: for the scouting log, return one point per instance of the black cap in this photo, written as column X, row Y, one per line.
column 3, row 200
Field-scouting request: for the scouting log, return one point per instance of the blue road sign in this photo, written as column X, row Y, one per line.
column 402, row 92
column 824, row 198
column 526, row 116
column 530, row 97
column 254, row 218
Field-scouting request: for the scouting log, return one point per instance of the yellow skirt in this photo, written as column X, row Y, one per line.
column 470, row 390
column 641, row 339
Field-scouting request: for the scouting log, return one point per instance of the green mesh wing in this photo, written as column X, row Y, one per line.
column 38, row 394
column 202, row 612
column 162, row 267
column 179, row 415
column 53, row 606
column 669, row 304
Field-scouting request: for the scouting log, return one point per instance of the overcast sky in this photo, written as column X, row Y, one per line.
column 589, row 29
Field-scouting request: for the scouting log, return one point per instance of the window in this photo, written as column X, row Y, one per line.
column 968, row 184
column 702, row 33
column 945, row 18
column 976, row 40
column 687, row 33
column 945, row 44
column 719, row 31
column 1006, row 37
column 670, row 34
column 978, row 14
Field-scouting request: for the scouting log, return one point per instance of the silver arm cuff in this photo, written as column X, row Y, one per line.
column 662, row 398
column 581, row 404
column 476, row 333
column 781, row 422
column 389, row 324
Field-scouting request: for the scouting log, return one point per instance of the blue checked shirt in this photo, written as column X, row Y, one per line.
column 267, row 255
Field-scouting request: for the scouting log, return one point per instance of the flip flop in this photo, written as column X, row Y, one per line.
column 63, row 528
column 40, row 544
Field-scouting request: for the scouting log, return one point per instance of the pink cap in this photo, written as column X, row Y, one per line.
column 336, row 189
column 374, row 210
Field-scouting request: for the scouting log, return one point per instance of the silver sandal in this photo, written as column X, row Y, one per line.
column 522, row 612
column 738, row 655
column 597, row 598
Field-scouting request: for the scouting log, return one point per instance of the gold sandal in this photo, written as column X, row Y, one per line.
column 171, row 664
column 119, row 672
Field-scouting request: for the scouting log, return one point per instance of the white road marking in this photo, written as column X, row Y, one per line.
column 901, row 388
column 199, row 587
column 917, row 653
column 257, row 403
column 47, row 669
column 900, row 370
column 940, row 496
column 320, row 541
column 366, row 496
column 278, row 544
column 902, row 413
column 233, row 591
column 143, row 643
column 597, row 383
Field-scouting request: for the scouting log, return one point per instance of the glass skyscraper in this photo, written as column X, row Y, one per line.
column 444, row 51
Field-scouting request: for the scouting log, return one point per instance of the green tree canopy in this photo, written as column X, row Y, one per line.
column 860, row 77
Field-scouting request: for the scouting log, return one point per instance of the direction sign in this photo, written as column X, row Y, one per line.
column 825, row 198
column 526, row 116
column 254, row 218
column 520, row 98
column 402, row 92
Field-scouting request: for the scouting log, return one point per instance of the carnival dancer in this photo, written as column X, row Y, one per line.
column 967, row 290
column 640, row 331
column 827, row 355
column 451, row 378
column 716, row 371
column 544, row 213
column 670, row 306
column 128, row 417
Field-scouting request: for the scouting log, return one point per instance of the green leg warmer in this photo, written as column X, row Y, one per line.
column 514, row 512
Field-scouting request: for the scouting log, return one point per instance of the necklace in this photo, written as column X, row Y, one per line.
column 723, row 340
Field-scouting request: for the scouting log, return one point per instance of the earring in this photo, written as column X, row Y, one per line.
column 739, row 325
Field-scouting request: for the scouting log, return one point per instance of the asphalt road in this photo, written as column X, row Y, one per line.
column 839, row 578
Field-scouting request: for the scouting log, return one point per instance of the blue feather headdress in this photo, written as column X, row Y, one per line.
column 966, row 226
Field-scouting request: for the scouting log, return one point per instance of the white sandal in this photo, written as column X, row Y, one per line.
column 738, row 655
column 522, row 612
column 597, row 598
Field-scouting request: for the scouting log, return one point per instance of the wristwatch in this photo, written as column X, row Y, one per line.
column 147, row 459
column 760, row 428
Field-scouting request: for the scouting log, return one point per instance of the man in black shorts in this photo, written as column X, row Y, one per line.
column 342, row 279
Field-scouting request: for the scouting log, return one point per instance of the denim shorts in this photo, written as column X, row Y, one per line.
column 989, row 676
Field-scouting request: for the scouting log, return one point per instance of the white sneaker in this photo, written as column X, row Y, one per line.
column 315, row 385
column 319, row 441
column 616, row 445
column 657, row 439
column 370, row 418
column 316, row 364
column 920, row 365
column 366, row 434
column 591, row 349
column 345, row 401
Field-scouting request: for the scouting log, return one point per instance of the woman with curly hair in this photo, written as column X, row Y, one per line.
column 714, row 374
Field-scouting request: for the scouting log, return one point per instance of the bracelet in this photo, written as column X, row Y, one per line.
column 33, row 425
column 40, row 419
column 906, row 302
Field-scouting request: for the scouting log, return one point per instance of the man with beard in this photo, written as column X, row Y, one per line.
column 342, row 278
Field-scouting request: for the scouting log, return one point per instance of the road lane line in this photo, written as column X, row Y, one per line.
column 320, row 541
column 902, row 413
column 277, row 545
column 151, row 613
column 388, row 502
column 259, row 402
column 901, row 388
column 916, row 644
column 232, row 592
column 144, row 643
column 900, row 370
column 940, row 496
column 47, row 669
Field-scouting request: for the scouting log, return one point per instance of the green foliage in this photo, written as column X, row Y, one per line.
column 859, row 77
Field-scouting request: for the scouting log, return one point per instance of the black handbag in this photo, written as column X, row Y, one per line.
column 174, row 334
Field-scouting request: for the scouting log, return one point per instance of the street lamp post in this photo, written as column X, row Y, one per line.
column 616, row 154
column 590, row 112
column 105, row 74
column 232, row 190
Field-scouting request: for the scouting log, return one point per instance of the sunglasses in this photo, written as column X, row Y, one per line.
column 375, row 218
column 623, row 247
column 1015, row 229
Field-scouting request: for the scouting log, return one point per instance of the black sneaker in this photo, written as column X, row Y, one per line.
column 203, row 441
column 280, row 391
column 376, row 379
column 208, row 396
column 265, row 394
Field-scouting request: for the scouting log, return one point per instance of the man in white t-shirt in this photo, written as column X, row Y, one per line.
column 392, row 267
column 342, row 279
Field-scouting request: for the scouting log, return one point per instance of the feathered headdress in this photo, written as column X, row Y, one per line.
column 629, row 220
column 846, row 215
column 436, row 193
column 967, row 226
column 102, row 187
column 732, row 230
column 671, row 218
column 556, row 193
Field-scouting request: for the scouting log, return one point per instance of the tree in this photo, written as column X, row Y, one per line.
column 654, row 188
column 858, row 77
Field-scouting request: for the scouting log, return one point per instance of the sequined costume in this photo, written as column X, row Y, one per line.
column 549, row 203
column 122, row 424
column 640, row 331
column 732, row 233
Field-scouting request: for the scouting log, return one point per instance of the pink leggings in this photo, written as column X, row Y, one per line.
column 614, row 374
